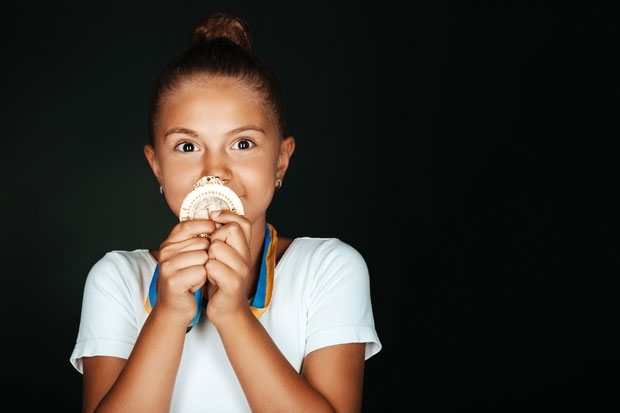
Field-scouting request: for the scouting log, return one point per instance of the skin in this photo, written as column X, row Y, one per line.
column 216, row 119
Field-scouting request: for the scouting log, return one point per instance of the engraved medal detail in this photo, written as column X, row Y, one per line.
column 209, row 194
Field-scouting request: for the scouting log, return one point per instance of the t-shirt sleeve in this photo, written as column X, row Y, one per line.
column 109, row 325
column 341, row 308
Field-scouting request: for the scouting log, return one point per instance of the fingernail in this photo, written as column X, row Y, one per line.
column 215, row 214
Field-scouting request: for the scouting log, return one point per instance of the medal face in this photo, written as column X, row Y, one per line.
column 209, row 194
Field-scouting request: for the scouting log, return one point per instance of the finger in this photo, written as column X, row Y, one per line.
column 237, row 259
column 233, row 234
column 223, row 217
column 223, row 278
column 191, row 229
column 180, row 284
column 185, row 253
column 183, row 259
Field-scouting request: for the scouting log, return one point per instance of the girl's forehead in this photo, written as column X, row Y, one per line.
column 216, row 87
column 214, row 96
column 212, row 106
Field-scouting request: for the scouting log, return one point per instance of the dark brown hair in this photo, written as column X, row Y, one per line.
column 219, row 45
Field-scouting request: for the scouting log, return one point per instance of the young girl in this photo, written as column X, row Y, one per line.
column 225, row 315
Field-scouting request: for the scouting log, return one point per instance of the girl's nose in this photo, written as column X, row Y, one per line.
column 216, row 165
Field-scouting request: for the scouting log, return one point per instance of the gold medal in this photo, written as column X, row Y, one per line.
column 209, row 194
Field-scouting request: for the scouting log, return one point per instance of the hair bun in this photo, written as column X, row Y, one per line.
column 222, row 25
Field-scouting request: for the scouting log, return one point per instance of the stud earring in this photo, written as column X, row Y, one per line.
column 161, row 189
column 278, row 183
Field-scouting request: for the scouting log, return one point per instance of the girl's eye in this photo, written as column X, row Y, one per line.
column 243, row 144
column 186, row 147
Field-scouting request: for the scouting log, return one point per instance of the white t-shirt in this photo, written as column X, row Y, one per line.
column 320, row 297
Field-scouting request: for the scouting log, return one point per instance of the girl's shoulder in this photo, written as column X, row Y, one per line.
column 121, row 264
column 137, row 257
column 321, row 249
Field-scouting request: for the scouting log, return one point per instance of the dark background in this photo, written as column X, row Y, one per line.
column 467, row 149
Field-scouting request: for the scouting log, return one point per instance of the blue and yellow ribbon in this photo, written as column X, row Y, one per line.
column 264, row 288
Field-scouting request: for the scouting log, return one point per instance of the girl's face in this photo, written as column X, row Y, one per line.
column 222, row 129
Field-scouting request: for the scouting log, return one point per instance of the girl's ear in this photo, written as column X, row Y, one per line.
column 287, row 147
column 149, row 153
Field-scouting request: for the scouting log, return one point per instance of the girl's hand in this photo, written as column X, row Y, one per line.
column 229, row 266
column 182, row 259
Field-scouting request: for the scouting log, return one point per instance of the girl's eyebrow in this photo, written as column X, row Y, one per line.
column 184, row 131
column 247, row 127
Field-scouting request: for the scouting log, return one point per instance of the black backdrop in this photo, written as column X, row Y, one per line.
column 467, row 149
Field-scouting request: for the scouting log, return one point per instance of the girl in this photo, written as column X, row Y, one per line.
column 224, row 315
